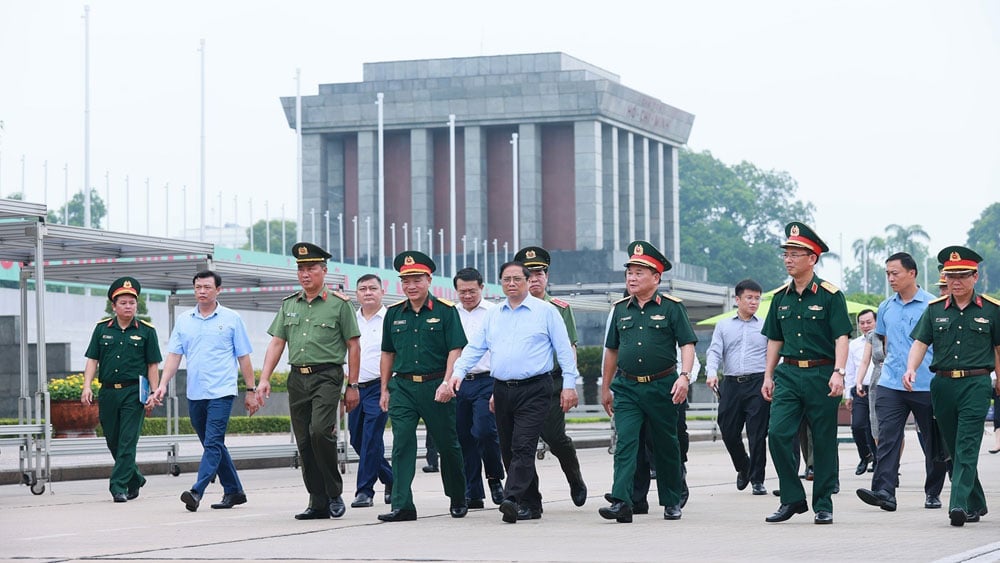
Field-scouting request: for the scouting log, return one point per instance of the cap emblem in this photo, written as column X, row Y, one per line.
column 303, row 250
column 954, row 257
column 638, row 251
column 794, row 231
column 408, row 261
column 127, row 284
column 529, row 254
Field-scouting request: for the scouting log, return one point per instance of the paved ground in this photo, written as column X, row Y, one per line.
column 76, row 520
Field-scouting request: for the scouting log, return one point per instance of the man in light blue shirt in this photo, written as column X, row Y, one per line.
column 214, row 340
column 521, row 335
column 897, row 316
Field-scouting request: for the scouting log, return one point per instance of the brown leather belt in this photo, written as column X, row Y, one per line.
column 420, row 378
column 957, row 373
column 648, row 378
column 806, row 363
column 315, row 368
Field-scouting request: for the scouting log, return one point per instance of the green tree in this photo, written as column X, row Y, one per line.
column 259, row 233
column 76, row 214
column 984, row 238
column 734, row 218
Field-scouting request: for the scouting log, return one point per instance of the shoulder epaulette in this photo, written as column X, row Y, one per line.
column 397, row 303
column 671, row 297
column 559, row 303
column 781, row 289
column 829, row 286
column 621, row 300
column 287, row 297
column 104, row 320
column 992, row 300
column 147, row 323
column 445, row 302
column 938, row 300
column 341, row 295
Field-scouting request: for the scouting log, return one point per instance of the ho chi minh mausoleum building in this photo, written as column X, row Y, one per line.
column 596, row 160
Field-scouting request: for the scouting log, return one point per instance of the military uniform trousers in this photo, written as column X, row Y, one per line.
column 741, row 404
column 367, row 426
column 650, row 403
column 521, row 410
column 960, row 406
column 477, row 434
column 313, row 401
column 408, row 403
column 121, row 416
column 802, row 393
column 554, row 434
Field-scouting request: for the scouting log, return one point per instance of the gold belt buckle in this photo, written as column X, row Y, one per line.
column 118, row 386
column 959, row 373
column 418, row 379
column 802, row 363
column 644, row 378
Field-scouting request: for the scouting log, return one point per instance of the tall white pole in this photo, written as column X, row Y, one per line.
column 128, row 210
column 496, row 263
column 417, row 239
column 475, row 255
column 24, row 191
column 453, row 222
column 368, row 239
column 86, row 116
column 184, row 206
column 465, row 255
column 430, row 243
column 267, row 228
column 250, row 203
column 166, row 207
column 340, row 233
column 45, row 183
column 486, row 257
column 312, row 224
column 236, row 220
column 221, row 223
column 204, row 196
column 299, row 216
column 506, row 252
column 406, row 238
column 326, row 227
column 66, row 189
column 392, row 229
column 514, row 227
column 381, row 180
column 355, row 220
column 441, row 253
column 284, row 243
column 147, row 204
column 107, row 198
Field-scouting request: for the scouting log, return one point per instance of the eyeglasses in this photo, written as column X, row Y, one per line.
column 512, row 279
column 787, row 255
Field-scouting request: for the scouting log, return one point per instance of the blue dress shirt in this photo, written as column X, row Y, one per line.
column 895, row 321
column 210, row 346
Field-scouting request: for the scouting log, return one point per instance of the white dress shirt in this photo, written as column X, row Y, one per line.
column 371, row 345
column 855, row 350
column 472, row 322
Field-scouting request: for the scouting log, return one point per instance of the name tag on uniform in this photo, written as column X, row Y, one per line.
column 628, row 318
column 107, row 337
column 434, row 320
column 134, row 337
column 291, row 314
column 397, row 323
column 657, row 317
column 941, row 319
column 815, row 307
column 783, row 307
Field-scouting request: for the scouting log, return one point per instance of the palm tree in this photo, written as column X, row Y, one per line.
column 904, row 239
column 864, row 251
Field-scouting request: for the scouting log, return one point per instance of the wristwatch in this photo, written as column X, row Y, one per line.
column 685, row 373
column 251, row 389
column 353, row 386
column 840, row 371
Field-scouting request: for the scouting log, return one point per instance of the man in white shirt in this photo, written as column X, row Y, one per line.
column 476, row 424
column 858, row 404
column 366, row 423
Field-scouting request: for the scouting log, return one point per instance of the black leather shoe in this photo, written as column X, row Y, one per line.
column 959, row 516
column 776, row 492
column 881, row 499
column 578, row 492
column 671, row 513
column 459, row 509
column 972, row 516
column 388, row 494
column 337, row 508
column 362, row 500
column 191, row 500
column 475, row 503
column 119, row 497
column 398, row 515
column 496, row 490
column 430, row 469
column 810, row 474
column 786, row 511
column 862, row 465
column 230, row 500
column 618, row 511
column 823, row 517
column 509, row 510
column 313, row 514
column 758, row 489
column 742, row 480
column 132, row 494
column 528, row 513
column 932, row 501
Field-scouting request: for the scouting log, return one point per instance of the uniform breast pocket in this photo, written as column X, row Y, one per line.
column 327, row 326
column 291, row 321
column 662, row 329
column 814, row 321
column 982, row 330
column 941, row 325
column 431, row 327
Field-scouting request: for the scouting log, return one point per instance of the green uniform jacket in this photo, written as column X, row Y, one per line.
column 123, row 354
column 808, row 325
column 316, row 332
column 422, row 341
column 566, row 312
column 647, row 338
column 962, row 338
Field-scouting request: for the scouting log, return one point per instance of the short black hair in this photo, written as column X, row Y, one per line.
column 748, row 285
column 367, row 277
column 905, row 260
column 205, row 274
column 468, row 274
column 506, row 265
column 866, row 311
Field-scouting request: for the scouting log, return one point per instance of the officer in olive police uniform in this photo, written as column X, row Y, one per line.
column 422, row 336
column 964, row 329
column 807, row 328
column 321, row 329
column 121, row 349
column 537, row 260
column 640, row 367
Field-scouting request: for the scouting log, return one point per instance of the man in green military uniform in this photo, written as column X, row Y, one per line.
column 422, row 336
column 320, row 329
column 122, row 348
column 807, row 329
column 964, row 329
column 640, row 368
column 537, row 260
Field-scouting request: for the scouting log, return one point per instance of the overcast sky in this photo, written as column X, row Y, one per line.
column 885, row 112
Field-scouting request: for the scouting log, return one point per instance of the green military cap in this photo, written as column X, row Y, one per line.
column 412, row 262
column 643, row 253
column 533, row 258
column 956, row 259
column 124, row 285
column 801, row 236
column 307, row 253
